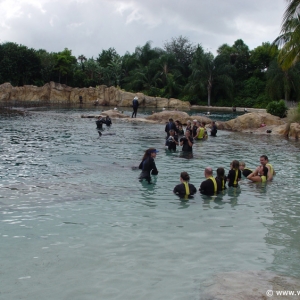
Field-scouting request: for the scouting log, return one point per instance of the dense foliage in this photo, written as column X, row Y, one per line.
column 236, row 76
column 277, row 108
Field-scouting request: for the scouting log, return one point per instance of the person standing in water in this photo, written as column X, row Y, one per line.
column 211, row 186
column 172, row 140
column 245, row 171
column 214, row 129
column 265, row 163
column 184, row 188
column 235, row 174
column 135, row 105
column 259, row 175
column 147, row 165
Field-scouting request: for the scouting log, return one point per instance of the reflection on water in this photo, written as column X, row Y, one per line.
column 76, row 222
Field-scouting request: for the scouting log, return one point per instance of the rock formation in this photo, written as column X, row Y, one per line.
column 56, row 93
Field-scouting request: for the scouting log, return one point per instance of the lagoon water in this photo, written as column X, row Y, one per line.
column 75, row 223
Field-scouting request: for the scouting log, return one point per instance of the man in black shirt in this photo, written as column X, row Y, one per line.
column 211, row 186
column 135, row 105
column 170, row 125
column 187, row 142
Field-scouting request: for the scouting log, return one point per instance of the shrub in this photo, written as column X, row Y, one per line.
column 294, row 114
column 277, row 108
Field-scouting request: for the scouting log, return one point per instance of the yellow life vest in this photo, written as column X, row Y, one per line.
column 215, row 184
column 201, row 133
column 187, row 188
column 235, row 182
column 263, row 178
column 223, row 184
column 271, row 168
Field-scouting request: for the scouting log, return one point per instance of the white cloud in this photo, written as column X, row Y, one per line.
column 88, row 26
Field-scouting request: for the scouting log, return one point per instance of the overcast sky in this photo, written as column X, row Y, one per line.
column 89, row 26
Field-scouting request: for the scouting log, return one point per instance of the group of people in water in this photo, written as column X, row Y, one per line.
column 194, row 131
column 211, row 185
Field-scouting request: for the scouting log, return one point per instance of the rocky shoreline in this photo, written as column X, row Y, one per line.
column 254, row 122
column 54, row 93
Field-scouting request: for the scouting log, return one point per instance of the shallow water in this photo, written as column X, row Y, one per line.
column 77, row 224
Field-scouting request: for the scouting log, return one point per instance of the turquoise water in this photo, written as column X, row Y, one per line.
column 77, row 224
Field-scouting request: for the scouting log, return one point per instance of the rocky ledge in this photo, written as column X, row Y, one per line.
column 56, row 93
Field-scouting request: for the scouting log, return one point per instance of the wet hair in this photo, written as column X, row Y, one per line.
column 171, row 130
column 242, row 164
column 171, row 120
column 220, row 172
column 265, row 170
column 185, row 176
column 148, row 153
column 265, row 157
column 235, row 164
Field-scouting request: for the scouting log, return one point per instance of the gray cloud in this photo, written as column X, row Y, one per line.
column 88, row 26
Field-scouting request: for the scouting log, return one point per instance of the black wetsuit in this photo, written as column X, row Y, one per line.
column 170, row 126
column 214, row 130
column 181, row 191
column 223, row 182
column 246, row 172
column 185, row 146
column 207, row 187
column 147, row 166
column 233, row 176
column 171, row 144
column 135, row 105
column 194, row 130
column 108, row 122
column 99, row 123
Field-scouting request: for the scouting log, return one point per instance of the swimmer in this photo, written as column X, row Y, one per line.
column 148, row 165
column 259, row 175
column 99, row 122
column 107, row 121
column 172, row 140
column 184, row 188
column 265, row 162
column 200, row 132
column 214, row 129
column 234, row 175
column 222, row 178
column 210, row 186
column 245, row 171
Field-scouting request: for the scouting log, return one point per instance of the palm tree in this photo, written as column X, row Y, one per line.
column 207, row 74
column 289, row 39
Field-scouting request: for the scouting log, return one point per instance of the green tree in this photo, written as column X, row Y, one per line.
column 18, row 64
column 289, row 39
column 107, row 56
column 48, row 63
column 183, row 51
column 65, row 63
column 283, row 83
column 206, row 75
